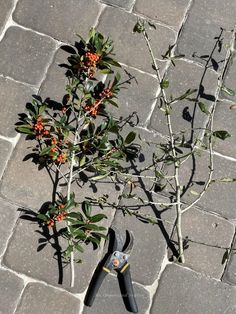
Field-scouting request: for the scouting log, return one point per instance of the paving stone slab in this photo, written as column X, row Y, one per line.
column 184, row 291
column 204, row 23
column 229, row 78
column 137, row 97
column 109, row 298
column 150, row 239
column 41, row 263
column 5, row 149
column 39, row 298
column 186, row 114
column 130, row 48
column 168, row 12
column 22, row 182
column 13, row 98
column 54, row 85
column 11, row 287
column 209, row 236
column 6, row 7
column 31, row 53
column 225, row 120
column 230, row 273
column 8, row 214
column 125, row 4
column 53, row 18
column 216, row 199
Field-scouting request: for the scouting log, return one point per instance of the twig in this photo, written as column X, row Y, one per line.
column 172, row 145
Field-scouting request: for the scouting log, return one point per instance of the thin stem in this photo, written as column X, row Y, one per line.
column 174, row 154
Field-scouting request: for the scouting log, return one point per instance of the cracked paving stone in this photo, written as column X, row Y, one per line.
column 39, row 298
column 150, row 240
column 56, row 19
column 169, row 12
column 8, row 214
column 31, row 53
column 195, row 41
column 11, row 287
column 39, row 257
column 208, row 238
column 109, row 296
column 130, row 48
column 22, row 182
column 13, row 98
column 5, row 149
column 181, row 290
column 184, row 114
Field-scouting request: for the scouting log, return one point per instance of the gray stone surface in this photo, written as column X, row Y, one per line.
column 6, row 7
column 57, row 20
column 11, row 287
column 229, row 78
column 138, row 96
column 150, row 239
column 55, row 82
column 109, row 298
column 130, row 48
column 22, row 182
column 230, row 274
column 209, row 236
column 39, row 298
column 225, row 120
column 203, row 25
column 41, row 263
column 182, row 77
column 8, row 214
column 183, row 291
column 13, row 97
column 126, row 4
column 216, row 199
column 5, row 148
column 169, row 12
column 31, row 54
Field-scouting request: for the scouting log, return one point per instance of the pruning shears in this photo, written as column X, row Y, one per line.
column 115, row 259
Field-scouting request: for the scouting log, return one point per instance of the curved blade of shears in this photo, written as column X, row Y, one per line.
column 130, row 242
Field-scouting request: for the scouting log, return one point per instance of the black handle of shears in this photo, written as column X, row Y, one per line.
column 125, row 276
column 95, row 285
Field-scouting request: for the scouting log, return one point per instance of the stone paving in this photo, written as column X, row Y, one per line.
column 31, row 33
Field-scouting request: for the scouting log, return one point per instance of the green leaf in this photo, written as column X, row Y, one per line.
column 68, row 250
column 139, row 27
column 98, row 217
column 222, row 135
column 87, row 209
column 227, row 180
column 42, row 217
column 102, row 176
column 194, row 192
column 203, row 107
column 228, row 91
column 24, row 130
column 130, row 137
column 78, row 247
column 45, row 151
column 164, row 84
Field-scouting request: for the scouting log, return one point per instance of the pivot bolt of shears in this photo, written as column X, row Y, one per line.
column 115, row 262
